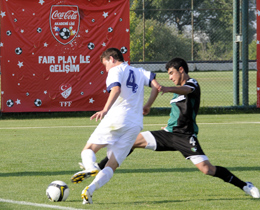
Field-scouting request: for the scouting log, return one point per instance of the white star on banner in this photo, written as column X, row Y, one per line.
column 45, row 44
column 86, row 31
column 18, row 101
column 2, row 92
column 41, row 2
column 2, row 14
column 45, row 92
column 22, row 30
column 258, row 12
column 127, row 30
column 1, row 44
column 103, row 44
column 104, row 91
column 55, row 28
column 257, row 42
column 91, row 100
column 105, row 14
column 20, row 64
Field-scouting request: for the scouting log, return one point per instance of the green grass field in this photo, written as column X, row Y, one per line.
column 35, row 152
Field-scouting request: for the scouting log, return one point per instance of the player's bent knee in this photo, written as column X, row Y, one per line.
column 207, row 170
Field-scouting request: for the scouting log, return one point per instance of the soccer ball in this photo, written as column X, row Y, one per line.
column 91, row 46
column 9, row 103
column 9, row 33
column 37, row 102
column 18, row 51
column 39, row 30
column 123, row 50
column 64, row 33
column 57, row 191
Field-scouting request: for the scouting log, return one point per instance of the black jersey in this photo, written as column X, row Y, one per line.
column 184, row 109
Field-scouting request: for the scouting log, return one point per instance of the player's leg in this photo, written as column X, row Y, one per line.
column 101, row 179
column 192, row 150
column 223, row 173
column 116, row 152
column 88, row 160
column 140, row 142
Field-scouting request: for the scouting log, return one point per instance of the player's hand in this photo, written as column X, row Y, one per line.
column 162, row 89
column 146, row 110
column 163, row 127
column 98, row 115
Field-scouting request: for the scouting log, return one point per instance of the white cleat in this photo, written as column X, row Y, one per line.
column 250, row 189
column 86, row 196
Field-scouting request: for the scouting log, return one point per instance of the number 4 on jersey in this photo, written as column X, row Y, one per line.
column 130, row 83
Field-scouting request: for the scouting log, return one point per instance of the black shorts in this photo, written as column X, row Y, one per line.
column 188, row 145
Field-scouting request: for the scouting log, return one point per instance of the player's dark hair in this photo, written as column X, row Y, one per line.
column 114, row 52
column 177, row 63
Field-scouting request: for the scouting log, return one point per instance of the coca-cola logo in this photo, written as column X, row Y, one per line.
column 69, row 15
column 64, row 23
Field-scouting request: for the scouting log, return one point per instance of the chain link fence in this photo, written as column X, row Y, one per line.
column 199, row 31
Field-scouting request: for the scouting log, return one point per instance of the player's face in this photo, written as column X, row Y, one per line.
column 174, row 76
column 108, row 64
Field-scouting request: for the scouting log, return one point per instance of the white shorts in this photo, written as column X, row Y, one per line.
column 119, row 141
column 196, row 159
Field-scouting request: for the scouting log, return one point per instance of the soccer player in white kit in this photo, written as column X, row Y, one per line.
column 122, row 122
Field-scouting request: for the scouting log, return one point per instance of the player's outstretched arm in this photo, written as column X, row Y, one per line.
column 114, row 93
column 182, row 90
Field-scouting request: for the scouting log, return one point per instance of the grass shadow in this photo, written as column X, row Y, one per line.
column 122, row 171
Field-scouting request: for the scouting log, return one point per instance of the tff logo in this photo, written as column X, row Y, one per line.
column 65, row 90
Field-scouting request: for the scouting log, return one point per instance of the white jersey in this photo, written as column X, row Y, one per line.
column 128, row 108
column 124, row 120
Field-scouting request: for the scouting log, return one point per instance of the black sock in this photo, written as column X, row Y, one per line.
column 103, row 162
column 227, row 176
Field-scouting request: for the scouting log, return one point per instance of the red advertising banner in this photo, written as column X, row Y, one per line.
column 50, row 52
column 258, row 52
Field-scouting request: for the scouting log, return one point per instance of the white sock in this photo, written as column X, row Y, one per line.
column 88, row 158
column 101, row 179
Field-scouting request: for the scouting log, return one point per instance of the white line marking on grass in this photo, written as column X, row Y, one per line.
column 37, row 204
column 93, row 126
